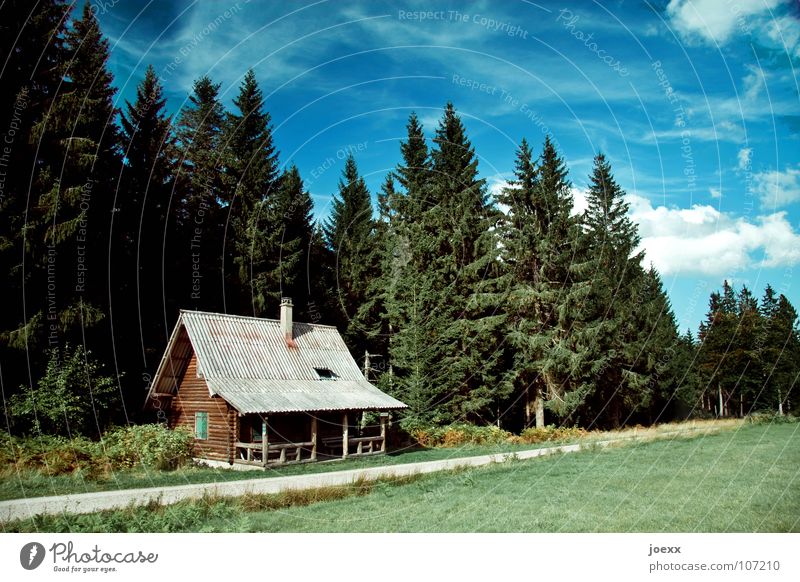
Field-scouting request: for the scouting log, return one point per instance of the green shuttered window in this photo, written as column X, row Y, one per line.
column 201, row 425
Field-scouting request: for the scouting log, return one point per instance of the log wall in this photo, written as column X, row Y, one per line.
column 193, row 397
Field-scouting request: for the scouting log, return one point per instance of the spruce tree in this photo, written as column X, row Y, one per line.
column 778, row 351
column 350, row 234
column 252, row 177
column 446, row 346
column 608, row 387
column 281, row 250
column 414, row 174
column 142, row 245
column 199, row 214
column 716, row 335
column 538, row 241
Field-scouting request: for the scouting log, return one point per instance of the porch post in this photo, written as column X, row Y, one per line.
column 264, row 441
column 313, row 437
column 384, row 416
column 345, row 436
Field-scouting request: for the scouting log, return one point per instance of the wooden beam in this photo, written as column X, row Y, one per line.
column 345, row 436
column 264, row 441
column 313, row 437
column 383, row 432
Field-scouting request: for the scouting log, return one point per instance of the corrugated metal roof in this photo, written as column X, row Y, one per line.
column 246, row 361
column 263, row 396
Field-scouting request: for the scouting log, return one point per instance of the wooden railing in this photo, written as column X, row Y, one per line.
column 254, row 452
column 365, row 445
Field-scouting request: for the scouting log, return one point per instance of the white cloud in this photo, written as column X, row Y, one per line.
column 715, row 192
column 715, row 21
column 703, row 240
column 784, row 32
column 579, row 203
column 744, row 157
column 776, row 189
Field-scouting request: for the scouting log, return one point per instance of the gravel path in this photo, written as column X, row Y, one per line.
column 103, row 500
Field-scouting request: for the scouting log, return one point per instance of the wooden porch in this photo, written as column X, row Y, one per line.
column 278, row 448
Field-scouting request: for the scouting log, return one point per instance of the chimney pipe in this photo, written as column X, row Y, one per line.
column 286, row 320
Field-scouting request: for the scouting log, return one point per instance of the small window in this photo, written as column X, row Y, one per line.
column 201, row 425
column 325, row 374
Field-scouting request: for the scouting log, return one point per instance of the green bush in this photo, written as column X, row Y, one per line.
column 148, row 445
column 73, row 396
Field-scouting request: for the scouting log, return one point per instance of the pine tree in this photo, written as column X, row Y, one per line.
column 252, row 177
column 350, row 233
column 142, row 245
column 715, row 335
column 282, row 246
column 778, row 350
column 414, row 174
column 538, row 251
column 446, row 342
column 74, row 178
column 608, row 387
column 32, row 45
column 199, row 217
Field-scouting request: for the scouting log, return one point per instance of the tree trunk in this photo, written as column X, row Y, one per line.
column 527, row 406
column 539, row 406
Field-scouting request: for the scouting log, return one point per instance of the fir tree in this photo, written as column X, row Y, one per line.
column 350, row 234
column 538, row 250
column 715, row 335
column 446, row 346
column 414, row 174
column 282, row 246
column 199, row 216
column 141, row 259
column 608, row 387
column 252, row 177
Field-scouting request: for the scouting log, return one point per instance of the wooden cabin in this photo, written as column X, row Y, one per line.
column 262, row 391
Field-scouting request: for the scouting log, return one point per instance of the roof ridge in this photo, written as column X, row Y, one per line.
column 252, row 317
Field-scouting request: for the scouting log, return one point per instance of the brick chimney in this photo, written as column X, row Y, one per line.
column 286, row 321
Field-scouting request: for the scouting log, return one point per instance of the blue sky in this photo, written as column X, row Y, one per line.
column 695, row 102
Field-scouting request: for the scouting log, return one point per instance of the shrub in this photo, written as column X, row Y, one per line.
column 550, row 433
column 73, row 397
column 458, row 434
column 769, row 417
column 148, row 445
column 50, row 455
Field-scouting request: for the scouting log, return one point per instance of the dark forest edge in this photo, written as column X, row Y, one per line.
column 530, row 315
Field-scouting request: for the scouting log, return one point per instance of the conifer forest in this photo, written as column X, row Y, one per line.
column 510, row 309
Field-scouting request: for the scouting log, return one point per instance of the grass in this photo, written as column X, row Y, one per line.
column 30, row 483
column 744, row 480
